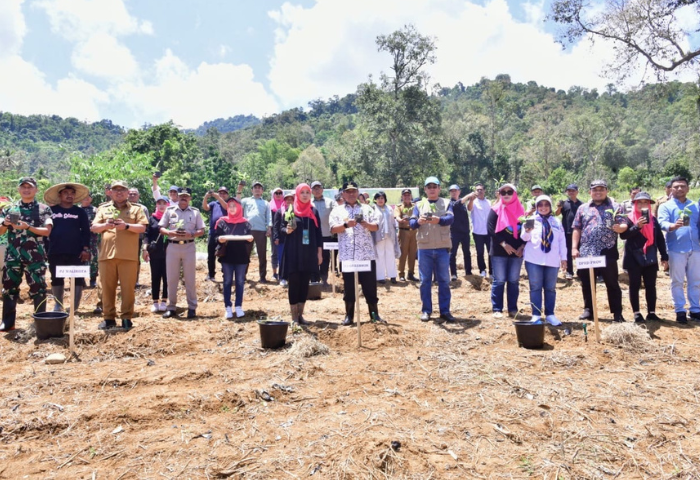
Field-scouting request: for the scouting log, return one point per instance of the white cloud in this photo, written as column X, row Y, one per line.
column 329, row 48
column 79, row 19
column 102, row 55
column 12, row 27
column 192, row 96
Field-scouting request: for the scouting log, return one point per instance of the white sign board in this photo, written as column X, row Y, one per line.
column 73, row 271
column 330, row 245
column 357, row 266
column 590, row 262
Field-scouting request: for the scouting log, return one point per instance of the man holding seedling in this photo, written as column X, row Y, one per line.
column 120, row 224
column 26, row 222
column 596, row 226
column 432, row 217
column 679, row 217
column 182, row 224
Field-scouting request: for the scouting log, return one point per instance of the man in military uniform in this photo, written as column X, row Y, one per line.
column 182, row 224
column 120, row 224
column 90, row 211
column 26, row 222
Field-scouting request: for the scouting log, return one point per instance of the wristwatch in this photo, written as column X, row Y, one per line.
column 345, row 224
column 126, row 226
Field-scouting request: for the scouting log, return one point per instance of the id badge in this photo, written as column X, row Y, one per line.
column 305, row 237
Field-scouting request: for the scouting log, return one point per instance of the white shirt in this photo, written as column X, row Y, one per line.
column 480, row 214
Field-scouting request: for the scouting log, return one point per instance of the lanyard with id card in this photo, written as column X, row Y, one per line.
column 305, row 232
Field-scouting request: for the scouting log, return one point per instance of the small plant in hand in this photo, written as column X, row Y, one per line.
column 114, row 215
column 290, row 218
column 180, row 226
column 528, row 221
column 685, row 216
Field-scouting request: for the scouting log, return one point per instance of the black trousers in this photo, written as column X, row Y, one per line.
column 260, row 242
column 569, row 258
column 462, row 238
column 298, row 289
column 483, row 244
column 368, row 282
column 158, row 276
column 612, row 285
column 648, row 274
column 325, row 264
column 211, row 255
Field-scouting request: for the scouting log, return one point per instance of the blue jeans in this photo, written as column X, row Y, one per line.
column 229, row 269
column 685, row 267
column 542, row 278
column 437, row 261
column 505, row 270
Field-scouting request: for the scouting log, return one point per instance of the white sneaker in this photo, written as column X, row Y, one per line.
column 283, row 283
column 162, row 307
column 229, row 313
column 155, row 307
column 239, row 311
column 497, row 315
column 569, row 276
column 552, row 320
column 536, row 319
column 483, row 273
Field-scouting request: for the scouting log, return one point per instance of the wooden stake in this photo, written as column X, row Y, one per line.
column 594, row 301
column 357, row 310
column 332, row 272
column 71, row 336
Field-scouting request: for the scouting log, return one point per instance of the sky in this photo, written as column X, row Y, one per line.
column 150, row 61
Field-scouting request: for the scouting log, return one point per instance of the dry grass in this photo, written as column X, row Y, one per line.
column 306, row 346
column 628, row 336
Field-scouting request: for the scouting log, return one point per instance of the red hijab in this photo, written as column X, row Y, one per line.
column 508, row 214
column 276, row 203
column 302, row 209
column 648, row 229
column 236, row 217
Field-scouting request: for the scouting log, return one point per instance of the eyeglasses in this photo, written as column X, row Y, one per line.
column 278, row 193
column 507, row 192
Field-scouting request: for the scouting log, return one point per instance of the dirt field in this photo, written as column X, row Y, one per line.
column 178, row 399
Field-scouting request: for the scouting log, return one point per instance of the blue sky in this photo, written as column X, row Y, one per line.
column 192, row 61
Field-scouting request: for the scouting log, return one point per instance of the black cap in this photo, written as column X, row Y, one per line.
column 349, row 186
column 406, row 190
column 184, row 191
column 572, row 186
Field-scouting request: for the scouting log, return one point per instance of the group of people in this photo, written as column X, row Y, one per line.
column 116, row 235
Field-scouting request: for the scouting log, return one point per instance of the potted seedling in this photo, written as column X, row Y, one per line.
column 609, row 217
column 290, row 218
column 14, row 216
column 620, row 217
column 114, row 215
column 685, row 216
column 180, row 227
column 428, row 209
column 528, row 222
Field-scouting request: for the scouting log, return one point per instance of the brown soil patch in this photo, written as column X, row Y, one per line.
column 201, row 399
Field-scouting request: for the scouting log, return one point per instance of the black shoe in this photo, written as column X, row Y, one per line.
column 92, row 285
column 412, row 278
column 681, row 318
column 695, row 316
column 448, row 317
column 381, row 282
column 347, row 321
column 107, row 324
column 191, row 314
column 617, row 317
column 127, row 324
column 424, row 316
column 586, row 315
column 393, row 280
column 97, row 311
column 652, row 317
column 453, row 278
column 6, row 328
column 639, row 318
column 262, row 280
column 170, row 314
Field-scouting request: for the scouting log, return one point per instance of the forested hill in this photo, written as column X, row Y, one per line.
column 225, row 125
column 491, row 131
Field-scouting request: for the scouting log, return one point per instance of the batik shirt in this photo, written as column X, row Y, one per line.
column 596, row 237
column 354, row 243
column 23, row 245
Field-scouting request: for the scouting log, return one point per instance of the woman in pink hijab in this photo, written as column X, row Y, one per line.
column 506, row 249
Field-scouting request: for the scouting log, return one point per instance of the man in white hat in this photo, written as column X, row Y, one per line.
column 69, row 239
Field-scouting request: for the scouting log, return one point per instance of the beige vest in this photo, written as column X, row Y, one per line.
column 433, row 236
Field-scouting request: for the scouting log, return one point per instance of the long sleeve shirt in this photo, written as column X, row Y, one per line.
column 683, row 239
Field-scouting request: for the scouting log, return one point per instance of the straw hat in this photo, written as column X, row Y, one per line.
column 51, row 196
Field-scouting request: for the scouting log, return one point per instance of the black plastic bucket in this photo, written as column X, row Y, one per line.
column 314, row 291
column 530, row 335
column 273, row 334
column 49, row 324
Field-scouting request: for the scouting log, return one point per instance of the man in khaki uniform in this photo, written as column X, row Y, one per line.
column 407, row 237
column 182, row 224
column 120, row 224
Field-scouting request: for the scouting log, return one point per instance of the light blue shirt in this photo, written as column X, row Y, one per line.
column 683, row 239
column 257, row 212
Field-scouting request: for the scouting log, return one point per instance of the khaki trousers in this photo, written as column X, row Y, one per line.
column 184, row 256
column 123, row 273
column 409, row 249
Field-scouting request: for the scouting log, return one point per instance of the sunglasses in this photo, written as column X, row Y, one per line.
column 507, row 192
column 278, row 193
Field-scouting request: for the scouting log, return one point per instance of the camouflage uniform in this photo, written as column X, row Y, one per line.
column 25, row 251
column 91, row 210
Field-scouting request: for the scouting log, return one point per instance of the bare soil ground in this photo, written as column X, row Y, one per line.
column 182, row 399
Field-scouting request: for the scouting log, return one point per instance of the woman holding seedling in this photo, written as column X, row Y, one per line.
column 232, row 234
column 644, row 242
column 545, row 253
column 506, row 249
column 303, row 250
